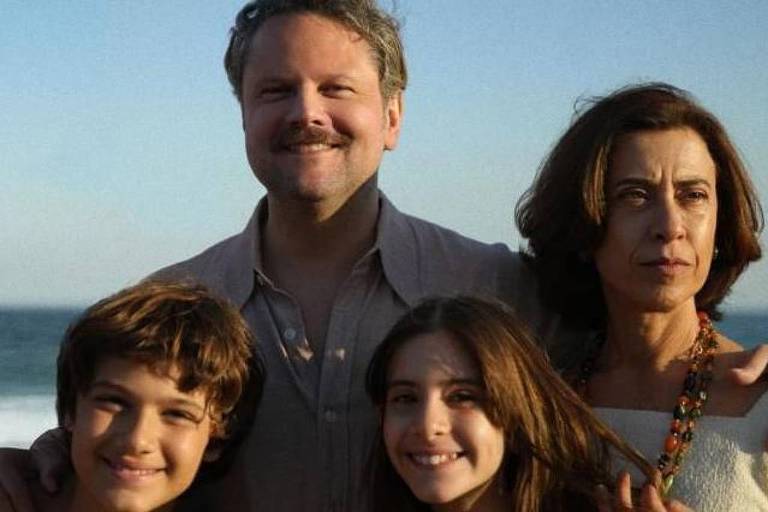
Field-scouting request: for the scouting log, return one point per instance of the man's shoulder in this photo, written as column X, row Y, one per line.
column 200, row 264
column 448, row 262
column 445, row 245
column 216, row 267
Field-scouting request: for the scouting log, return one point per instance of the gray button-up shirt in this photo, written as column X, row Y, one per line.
column 307, row 449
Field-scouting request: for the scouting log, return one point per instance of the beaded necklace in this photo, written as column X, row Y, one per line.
column 690, row 402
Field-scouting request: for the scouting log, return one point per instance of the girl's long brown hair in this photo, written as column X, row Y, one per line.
column 556, row 451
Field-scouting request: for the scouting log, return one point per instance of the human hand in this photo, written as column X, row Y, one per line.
column 15, row 469
column 50, row 458
column 47, row 459
column 752, row 368
column 621, row 501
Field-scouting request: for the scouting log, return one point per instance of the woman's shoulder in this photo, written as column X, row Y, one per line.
column 726, row 397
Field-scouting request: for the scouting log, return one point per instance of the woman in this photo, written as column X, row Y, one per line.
column 640, row 220
column 475, row 419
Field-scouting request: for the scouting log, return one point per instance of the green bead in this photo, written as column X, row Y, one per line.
column 695, row 413
column 690, row 381
column 666, row 484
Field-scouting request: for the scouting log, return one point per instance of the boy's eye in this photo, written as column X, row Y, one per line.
column 181, row 416
column 112, row 403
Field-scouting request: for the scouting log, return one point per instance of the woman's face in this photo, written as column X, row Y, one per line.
column 662, row 214
column 436, row 432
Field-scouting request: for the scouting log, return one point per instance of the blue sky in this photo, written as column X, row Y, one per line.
column 121, row 149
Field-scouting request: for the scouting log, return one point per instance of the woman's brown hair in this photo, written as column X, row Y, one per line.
column 556, row 450
column 563, row 213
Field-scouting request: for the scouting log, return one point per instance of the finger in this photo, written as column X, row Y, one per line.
column 656, row 480
column 602, row 498
column 752, row 369
column 14, row 465
column 676, row 506
column 622, row 497
column 650, row 500
column 50, row 455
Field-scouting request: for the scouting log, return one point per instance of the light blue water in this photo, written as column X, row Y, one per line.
column 29, row 340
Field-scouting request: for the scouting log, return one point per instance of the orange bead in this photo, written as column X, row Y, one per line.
column 671, row 444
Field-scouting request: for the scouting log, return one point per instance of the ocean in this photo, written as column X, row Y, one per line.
column 29, row 340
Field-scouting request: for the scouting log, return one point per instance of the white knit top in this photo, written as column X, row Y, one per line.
column 726, row 468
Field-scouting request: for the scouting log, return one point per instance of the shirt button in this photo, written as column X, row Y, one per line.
column 330, row 415
column 289, row 334
column 336, row 353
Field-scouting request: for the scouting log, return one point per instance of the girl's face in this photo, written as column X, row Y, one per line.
column 436, row 432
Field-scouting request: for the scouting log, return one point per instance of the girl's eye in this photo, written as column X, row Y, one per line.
column 401, row 398
column 464, row 397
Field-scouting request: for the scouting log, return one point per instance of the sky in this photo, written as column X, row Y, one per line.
column 121, row 148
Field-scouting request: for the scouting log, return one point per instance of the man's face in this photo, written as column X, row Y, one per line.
column 315, row 122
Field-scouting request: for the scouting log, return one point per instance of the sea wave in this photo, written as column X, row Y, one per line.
column 23, row 418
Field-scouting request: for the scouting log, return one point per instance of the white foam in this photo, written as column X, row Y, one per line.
column 23, row 418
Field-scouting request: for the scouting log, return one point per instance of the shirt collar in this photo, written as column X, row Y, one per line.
column 238, row 279
column 395, row 243
column 254, row 231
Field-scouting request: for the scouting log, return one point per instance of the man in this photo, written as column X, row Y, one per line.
column 326, row 263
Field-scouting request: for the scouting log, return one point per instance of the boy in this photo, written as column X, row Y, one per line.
column 148, row 382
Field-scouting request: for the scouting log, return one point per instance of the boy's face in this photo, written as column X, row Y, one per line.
column 137, row 441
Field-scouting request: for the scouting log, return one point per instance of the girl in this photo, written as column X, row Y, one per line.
column 475, row 419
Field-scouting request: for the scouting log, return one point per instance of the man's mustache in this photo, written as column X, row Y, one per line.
column 308, row 135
